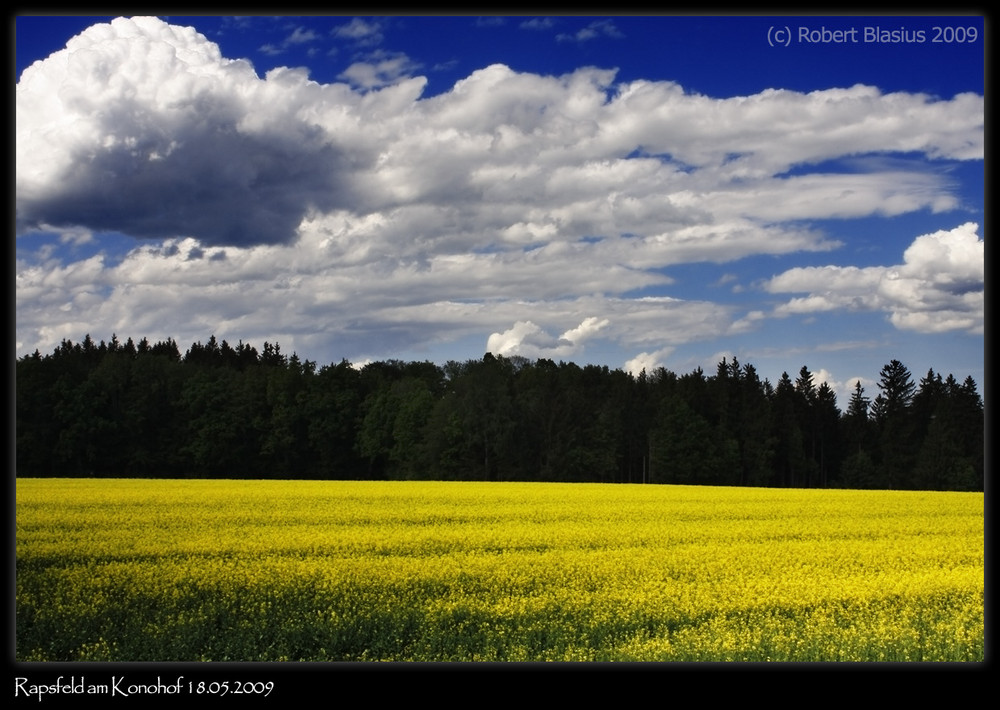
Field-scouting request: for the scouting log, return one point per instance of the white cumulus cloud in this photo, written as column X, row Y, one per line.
column 528, row 339
column 939, row 287
column 539, row 209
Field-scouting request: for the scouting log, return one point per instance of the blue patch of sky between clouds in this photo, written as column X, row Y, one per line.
column 867, row 163
column 112, row 245
column 641, row 153
column 882, row 241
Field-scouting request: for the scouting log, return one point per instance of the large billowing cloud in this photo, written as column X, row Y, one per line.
column 940, row 285
column 526, row 206
column 143, row 128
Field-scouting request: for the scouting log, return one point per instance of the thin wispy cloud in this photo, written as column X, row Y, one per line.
column 301, row 35
column 361, row 32
column 380, row 68
column 298, row 36
column 538, row 23
column 595, row 30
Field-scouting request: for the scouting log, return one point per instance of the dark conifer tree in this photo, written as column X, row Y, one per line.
column 790, row 461
column 807, row 409
column 897, row 446
column 857, row 469
column 827, row 420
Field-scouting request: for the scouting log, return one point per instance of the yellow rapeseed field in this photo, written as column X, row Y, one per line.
column 188, row 570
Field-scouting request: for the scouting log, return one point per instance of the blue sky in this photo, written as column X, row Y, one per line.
column 626, row 191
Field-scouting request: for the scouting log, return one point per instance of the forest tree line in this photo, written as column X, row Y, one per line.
column 218, row 411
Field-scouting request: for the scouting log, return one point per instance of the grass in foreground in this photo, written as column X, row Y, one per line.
column 182, row 570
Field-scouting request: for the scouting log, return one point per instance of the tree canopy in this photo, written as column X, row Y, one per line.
column 144, row 410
